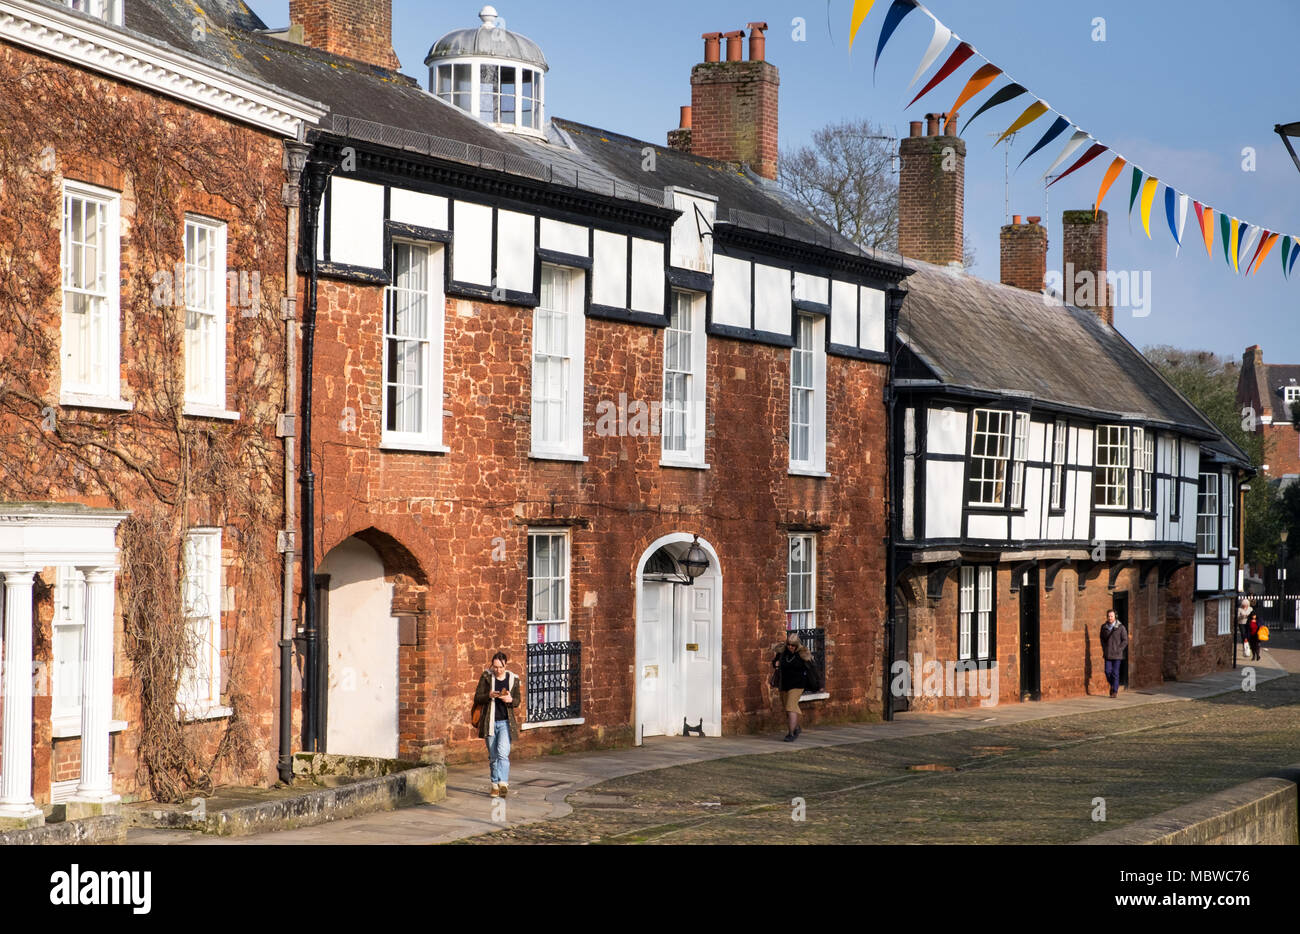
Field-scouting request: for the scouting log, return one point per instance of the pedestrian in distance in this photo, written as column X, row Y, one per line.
column 1114, row 640
column 1252, row 634
column 1244, row 610
column 793, row 672
column 498, row 693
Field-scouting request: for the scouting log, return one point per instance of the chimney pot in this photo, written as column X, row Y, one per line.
column 685, row 123
column 917, row 130
column 757, row 42
column 931, row 124
column 734, row 52
column 711, row 45
column 950, row 124
column 1015, row 219
column 1033, row 219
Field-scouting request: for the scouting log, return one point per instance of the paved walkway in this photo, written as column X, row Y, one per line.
column 540, row 786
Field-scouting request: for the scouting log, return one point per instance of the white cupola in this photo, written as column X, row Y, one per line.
column 491, row 73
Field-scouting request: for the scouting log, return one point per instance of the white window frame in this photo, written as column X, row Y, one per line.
column 562, row 408
column 101, row 336
column 1143, row 461
column 801, row 582
column 690, row 411
column 1229, row 496
column 549, row 623
column 1207, row 523
column 1290, row 394
column 198, row 693
column 1019, row 454
column 807, row 424
column 1176, row 478
column 425, row 340
column 1198, row 622
column 990, row 429
column 110, row 11
column 1225, row 617
column 1111, row 483
column 204, row 293
column 975, row 622
column 473, row 95
column 69, row 632
column 1056, row 497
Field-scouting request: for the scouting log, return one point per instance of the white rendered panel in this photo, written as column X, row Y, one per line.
column 1143, row 530
column 943, row 499
column 564, row 238
column 812, row 288
column 844, row 313
column 415, row 207
column 516, row 251
column 947, row 432
column 471, row 253
column 731, row 292
column 1110, row 528
column 983, row 527
column 691, row 247
column 647, row 276
column 609, row 270
column 872, row 313
column 356, row 223
column 772, row 299
column 1207, row 576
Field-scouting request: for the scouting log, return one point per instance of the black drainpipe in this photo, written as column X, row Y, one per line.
column 317, row 174
column 894, row 298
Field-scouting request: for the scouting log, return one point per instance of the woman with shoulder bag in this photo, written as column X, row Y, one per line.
column 498, row 693
column 794, row 672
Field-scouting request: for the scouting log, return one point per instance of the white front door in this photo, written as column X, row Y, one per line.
column 656, row 675
column 696, row 645
column 675, row 651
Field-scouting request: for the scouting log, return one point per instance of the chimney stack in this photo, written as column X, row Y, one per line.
column 734, row 103
column 1024, row 254
column 1083, row 260
column 931, row 192
column 361, row 30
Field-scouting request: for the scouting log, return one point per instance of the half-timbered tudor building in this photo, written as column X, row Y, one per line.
column 1047, row 473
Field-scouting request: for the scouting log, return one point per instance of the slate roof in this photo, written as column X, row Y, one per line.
column 1280, row 375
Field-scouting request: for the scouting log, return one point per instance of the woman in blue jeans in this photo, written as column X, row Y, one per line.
column 499, row 692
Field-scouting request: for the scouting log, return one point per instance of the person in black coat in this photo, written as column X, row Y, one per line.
column 1114, row 640
column 795, row 672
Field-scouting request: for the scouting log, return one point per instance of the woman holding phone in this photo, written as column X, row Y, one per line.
column 498, row 693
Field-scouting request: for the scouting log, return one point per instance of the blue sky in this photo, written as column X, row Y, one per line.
column 1179, row 86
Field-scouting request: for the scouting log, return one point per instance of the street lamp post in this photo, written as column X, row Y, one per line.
column 1281, row 571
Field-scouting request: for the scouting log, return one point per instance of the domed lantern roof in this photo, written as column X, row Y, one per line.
column 491, row 73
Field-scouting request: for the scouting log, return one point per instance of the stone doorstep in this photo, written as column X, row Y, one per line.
column 423, row 784
column 102, row 830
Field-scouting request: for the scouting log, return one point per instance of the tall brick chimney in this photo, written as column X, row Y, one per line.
column 1024, row 254
column 356, row 29
column 1083, row 262
column 932, row 192
column 734, row 104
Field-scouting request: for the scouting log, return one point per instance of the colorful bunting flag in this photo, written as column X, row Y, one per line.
column 1182, row 220
column 1246, row 240
column 1295, row 252
column 1093, row 152
column 1171, row 199
column 1265, row 245
column 1076, row 140
column 897, row 11
column 1205, row 217
column 1286, row 252
column 1148, row 195
column 1056, row 130
column 1227, row 230
column 982, row 78
column 1111, row 174
column 1001, row 96
column 1032, row 113
column 937, row 44
column 860, row 10
column 1134, row 189
column 955, row 61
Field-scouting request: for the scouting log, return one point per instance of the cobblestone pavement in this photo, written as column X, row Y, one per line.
column 1012, row 773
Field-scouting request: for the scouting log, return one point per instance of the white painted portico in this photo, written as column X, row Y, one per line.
column 33, row 537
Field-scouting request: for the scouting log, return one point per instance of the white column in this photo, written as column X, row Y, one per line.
column 97, row 688
column 16, row 780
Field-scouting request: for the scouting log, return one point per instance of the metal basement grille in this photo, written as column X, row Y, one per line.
column 554, row 688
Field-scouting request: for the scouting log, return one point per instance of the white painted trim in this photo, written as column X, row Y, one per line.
column 557, row 456
column 392, row 444
column 198, row 410
column 572, row 721
column 80, row 400
column 89, row 43
column 799, row 472
column 684, row 464
column 67, row 727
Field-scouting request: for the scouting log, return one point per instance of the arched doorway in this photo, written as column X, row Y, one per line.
column 678, row 641
column 360, row 644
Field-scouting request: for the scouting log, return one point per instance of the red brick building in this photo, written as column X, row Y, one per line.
column 1266, row 393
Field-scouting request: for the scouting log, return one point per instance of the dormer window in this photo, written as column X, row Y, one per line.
column 1291, row 394
column 491, row 73
column 108, row 10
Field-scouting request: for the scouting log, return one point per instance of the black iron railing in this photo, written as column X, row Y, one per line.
column 814, row 641
column 554, row 687
column 1276, row 611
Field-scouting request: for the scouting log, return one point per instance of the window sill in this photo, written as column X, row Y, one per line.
column 556, row 456
column 807, row 472
column 81, row 400
column 426, row 447
column 572, row 721
column 202, row 410
column 820, row 695
column 684, row 465
column 213, row 712
column 67, row 727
